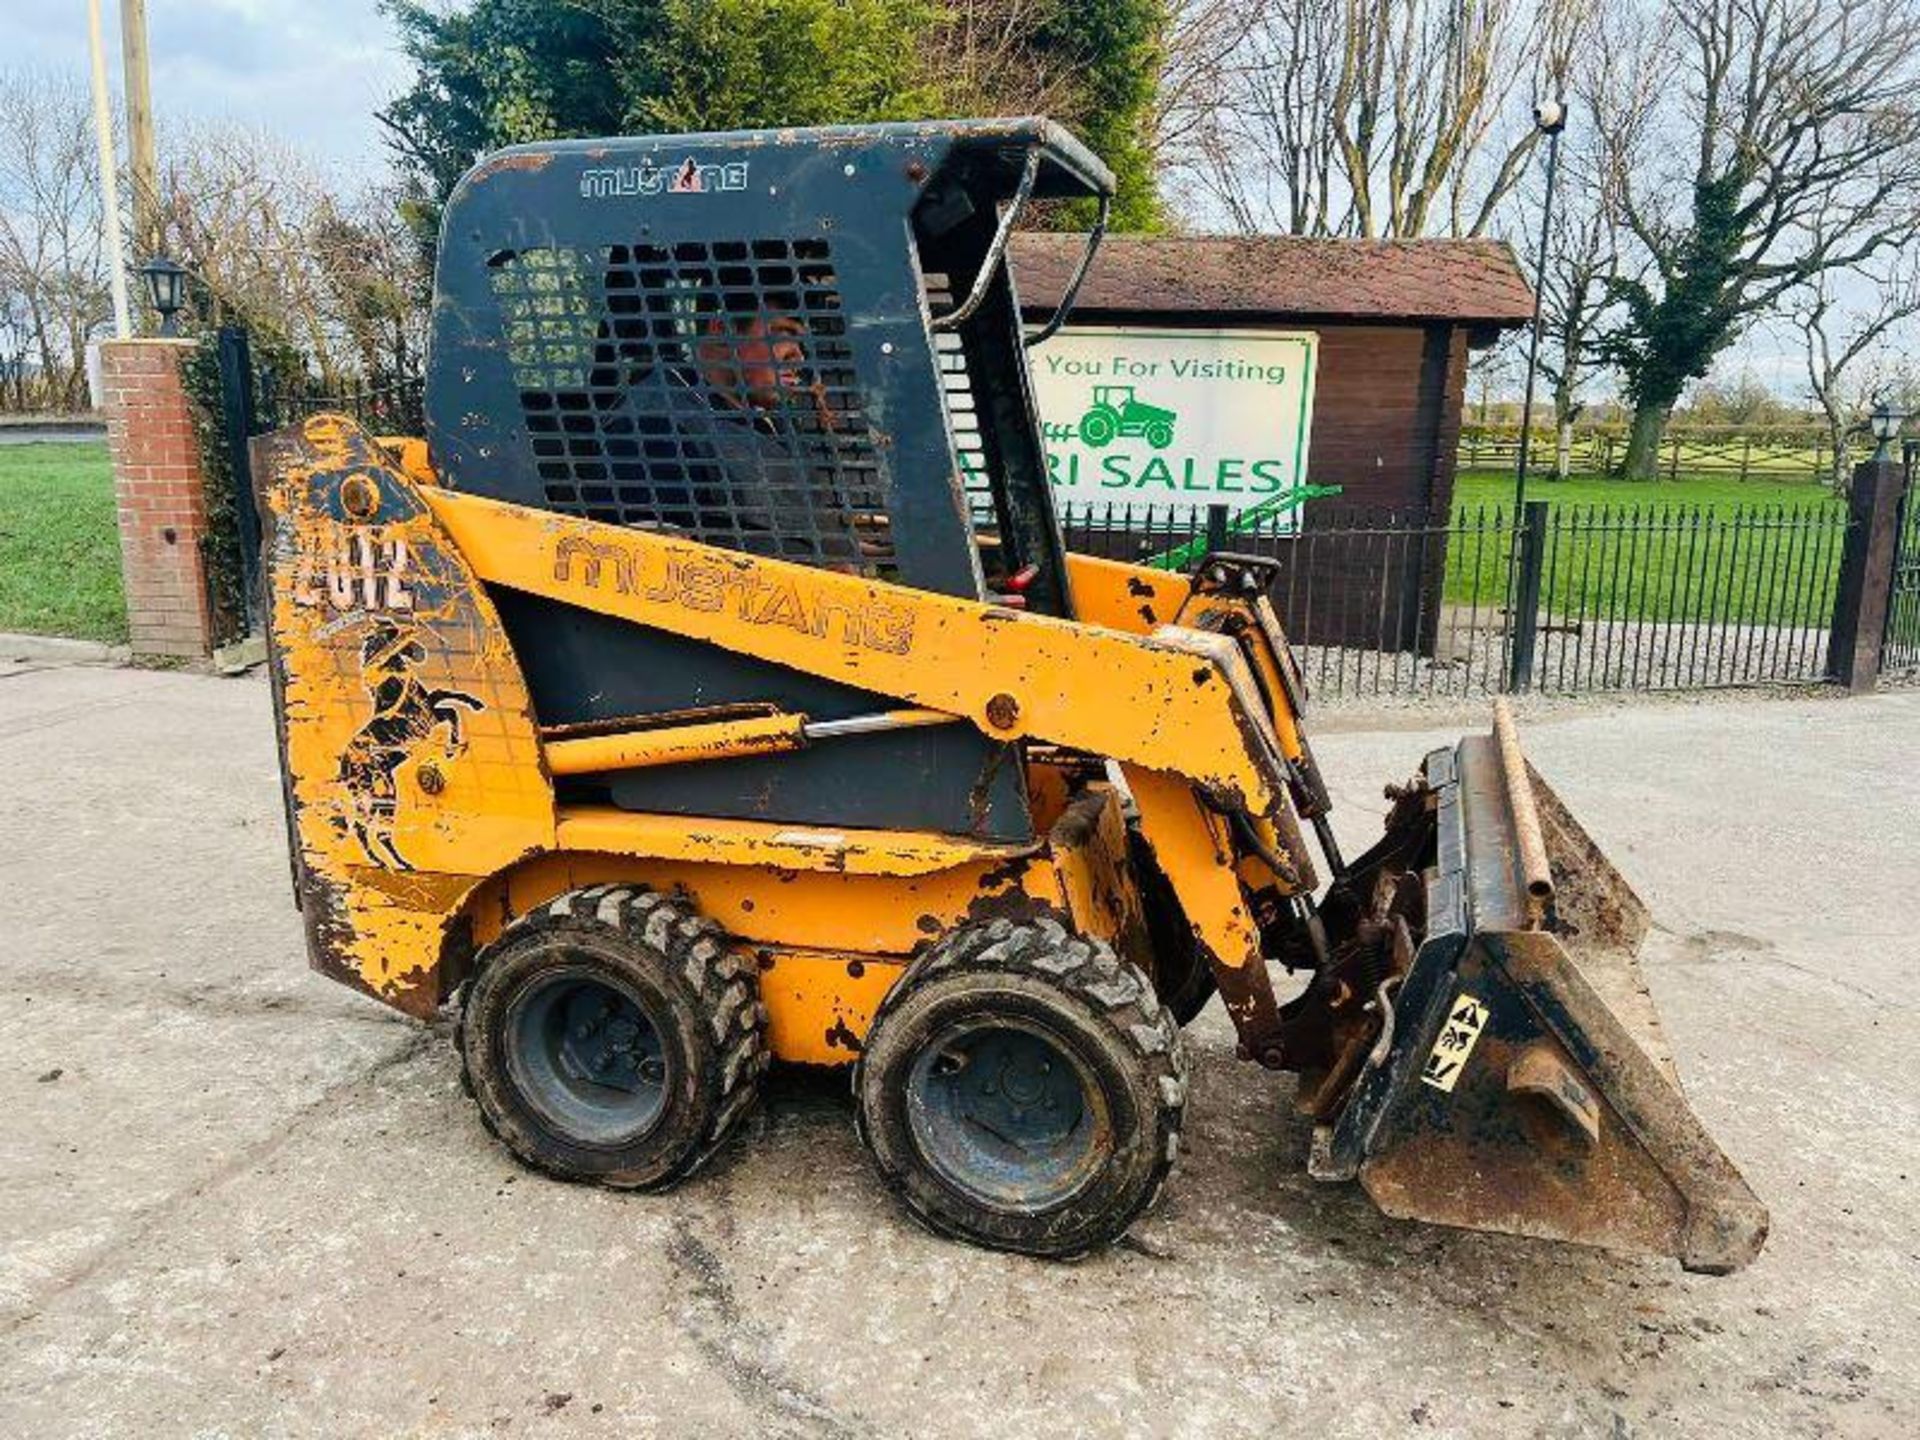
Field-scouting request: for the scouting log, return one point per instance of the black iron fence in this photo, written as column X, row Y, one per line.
column 1900, row 647
column 1609, row 597
column 386, row 407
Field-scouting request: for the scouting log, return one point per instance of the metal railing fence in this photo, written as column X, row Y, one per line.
column 1615, row 597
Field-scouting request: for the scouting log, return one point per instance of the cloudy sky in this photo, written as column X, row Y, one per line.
column 311, row 71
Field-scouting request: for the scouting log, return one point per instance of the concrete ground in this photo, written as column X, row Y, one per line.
column 238, row 1200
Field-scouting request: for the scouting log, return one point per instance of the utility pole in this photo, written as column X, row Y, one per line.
column 109, row 177
column 143, row 166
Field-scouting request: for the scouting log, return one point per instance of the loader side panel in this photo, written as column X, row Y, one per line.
column 411, row 761
column 582, row 667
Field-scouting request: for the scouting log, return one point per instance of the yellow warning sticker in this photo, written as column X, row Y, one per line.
column 1457, row 1039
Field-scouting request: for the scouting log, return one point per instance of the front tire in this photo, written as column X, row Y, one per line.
column 1023, row 1089
column 612, row 1035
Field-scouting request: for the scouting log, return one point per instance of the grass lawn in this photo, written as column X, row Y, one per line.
column 1495, row 487
column 1695, row 548
column 59, row 547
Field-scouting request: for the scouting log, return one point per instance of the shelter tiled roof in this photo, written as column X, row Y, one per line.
column 1469, row 281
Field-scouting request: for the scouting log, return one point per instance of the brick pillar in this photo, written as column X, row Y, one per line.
column 159, row 495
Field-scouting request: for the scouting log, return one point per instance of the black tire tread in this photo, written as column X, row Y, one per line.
column 1120, row 994
column 725, row 982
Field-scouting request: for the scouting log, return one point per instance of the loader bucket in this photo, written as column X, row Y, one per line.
column 1522, row 1083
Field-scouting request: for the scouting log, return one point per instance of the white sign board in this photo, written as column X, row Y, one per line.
column 1178, row 419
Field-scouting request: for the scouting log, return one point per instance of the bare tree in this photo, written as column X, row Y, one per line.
column 16, row 335
column 1583, row 269
column 1754, row 145
column 53, row 270
column 1257, row 139
column 370, row 263
column 1206, row 41
column 1849, row 322
column 983, row 53
column 1378, row 118
column 269, row 243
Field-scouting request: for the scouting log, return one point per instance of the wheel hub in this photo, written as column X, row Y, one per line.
column 588, row 1057
column 1006, row 1114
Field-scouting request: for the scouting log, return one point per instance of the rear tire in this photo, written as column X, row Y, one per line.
column 611, row 1035
column 1023, row 1089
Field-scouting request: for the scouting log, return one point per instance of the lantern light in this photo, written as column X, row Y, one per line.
column 166, row 283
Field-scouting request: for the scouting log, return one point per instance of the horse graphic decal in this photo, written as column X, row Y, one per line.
column 407, row 715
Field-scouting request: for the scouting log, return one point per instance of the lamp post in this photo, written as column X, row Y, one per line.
column 1885, row 424
column 166, row 284
column 1523, row 564
column 1551, row 118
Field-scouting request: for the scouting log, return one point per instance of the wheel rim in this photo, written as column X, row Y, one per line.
column 588, row 1057
column 1007, row 1114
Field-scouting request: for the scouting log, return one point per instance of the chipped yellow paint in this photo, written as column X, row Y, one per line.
column 1162, row 701
column 1089, row 850
column 410, row 454
column 765, row 843
column 1193, row 849
column 1139, row 599
column 820, row 1005
column 410, row 750
column 886, row 915
column 1133, row 598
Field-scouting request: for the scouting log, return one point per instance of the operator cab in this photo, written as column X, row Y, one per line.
column 802, row 344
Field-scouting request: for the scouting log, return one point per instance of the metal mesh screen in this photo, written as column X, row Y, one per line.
column 705, row 387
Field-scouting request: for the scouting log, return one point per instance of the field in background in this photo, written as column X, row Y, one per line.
column 59, row 548
column 1721, row 492
column 1777, row 452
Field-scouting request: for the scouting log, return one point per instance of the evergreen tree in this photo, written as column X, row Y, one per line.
column 745, row 64
column 1116, row 47
column 503, row 72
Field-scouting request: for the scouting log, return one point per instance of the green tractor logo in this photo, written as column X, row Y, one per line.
column 1115, row 411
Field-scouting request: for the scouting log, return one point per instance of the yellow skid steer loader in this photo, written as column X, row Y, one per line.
column 710, row 685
